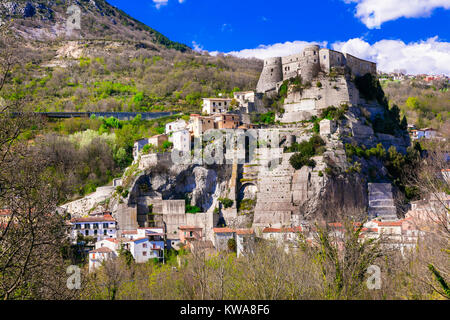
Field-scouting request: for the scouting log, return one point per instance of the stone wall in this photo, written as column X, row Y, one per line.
column 270, row 75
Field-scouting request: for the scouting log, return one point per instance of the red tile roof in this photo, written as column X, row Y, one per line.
column 223, row 230
column 101, row 250
column 189, row 228
column 245, row 231
column 279, row 230
column 129, row 232
column 104, row 218
column 389, row 223
column 5, row 212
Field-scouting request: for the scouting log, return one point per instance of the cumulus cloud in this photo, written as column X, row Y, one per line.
column 375, row 12
column 160, row 3
column 274, row 50
column 430, row 56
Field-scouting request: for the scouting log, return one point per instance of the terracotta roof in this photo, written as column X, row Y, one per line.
column 189, row 227
column 101, row 250
column 129, row 232
column 5, row 212
column 223, row 230
column 103, row 218
column 245, row 231
column 389, row 223
column 279, row 230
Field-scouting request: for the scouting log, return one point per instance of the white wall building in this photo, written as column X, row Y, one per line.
column 100, row 227
column 181, row 140
column 215, row 105
column 176, row 126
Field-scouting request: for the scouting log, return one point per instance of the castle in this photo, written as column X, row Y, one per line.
column 308, row 64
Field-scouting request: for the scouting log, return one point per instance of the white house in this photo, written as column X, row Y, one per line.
column 245, row 239
column 100, row 227
column 176, row 126
column 143, row 244
column 221, row 238
column 97, row 256
column 215, row 105
column 181, row 140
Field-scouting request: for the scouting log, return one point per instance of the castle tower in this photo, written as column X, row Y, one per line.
column 270, row 75
column 310, row 62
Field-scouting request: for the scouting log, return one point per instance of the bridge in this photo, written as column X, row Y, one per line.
column 117, row 115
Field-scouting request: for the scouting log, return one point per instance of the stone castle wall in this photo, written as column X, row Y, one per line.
column 308, row 64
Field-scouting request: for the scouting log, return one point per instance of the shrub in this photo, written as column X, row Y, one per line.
column 227, row 203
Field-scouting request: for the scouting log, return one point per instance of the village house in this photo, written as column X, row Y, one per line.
column 181, row 140
column 227, row 121
column 200, row 124
column 282, row 235
column 156, row 141
column 150, row 246
column 174, row 126
column 98, row 256
column 245, row 241
column 100, row 227
column 215, row 105
column 221, row 238
column 426, row 133
column 188, row 234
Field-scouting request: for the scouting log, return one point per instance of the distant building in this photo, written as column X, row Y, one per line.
column 98, row 256
column 157, row 141
column 215, row 105
column 100, row 227
column 175, row 126
column 221, row 238
column 286, row 236
column 181, row 140
column 426, row 133
column 189, row 234
column 200, row 124
column 227, row 121
column 245, row 241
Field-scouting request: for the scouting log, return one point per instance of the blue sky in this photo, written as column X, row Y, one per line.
column 415, row 32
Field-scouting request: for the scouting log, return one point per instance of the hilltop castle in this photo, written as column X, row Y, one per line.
column 308, row 64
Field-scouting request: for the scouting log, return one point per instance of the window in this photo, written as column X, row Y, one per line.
column 191, row 233
column 95, row 225
column 324, row 57
column 87, row 226
column 95, row 232
column 86, row 232
column 144, row 253
column 144, row 245
column 105, row 226
column 105, row 232
column 78, row 226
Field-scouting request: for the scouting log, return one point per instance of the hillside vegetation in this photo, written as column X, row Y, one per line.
column 424, row 106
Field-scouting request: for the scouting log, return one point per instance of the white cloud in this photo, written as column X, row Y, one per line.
column 274, row 50
column 430, row 56
column 375, row 12
column 160, row 3
column 197, row 47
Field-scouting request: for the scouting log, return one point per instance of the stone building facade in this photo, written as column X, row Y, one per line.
column 308, row 64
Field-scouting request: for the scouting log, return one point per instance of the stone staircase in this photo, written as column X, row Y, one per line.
column 381, row 201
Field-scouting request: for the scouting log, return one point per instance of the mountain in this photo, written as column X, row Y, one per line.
column 114, row 62
column 44, row 20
